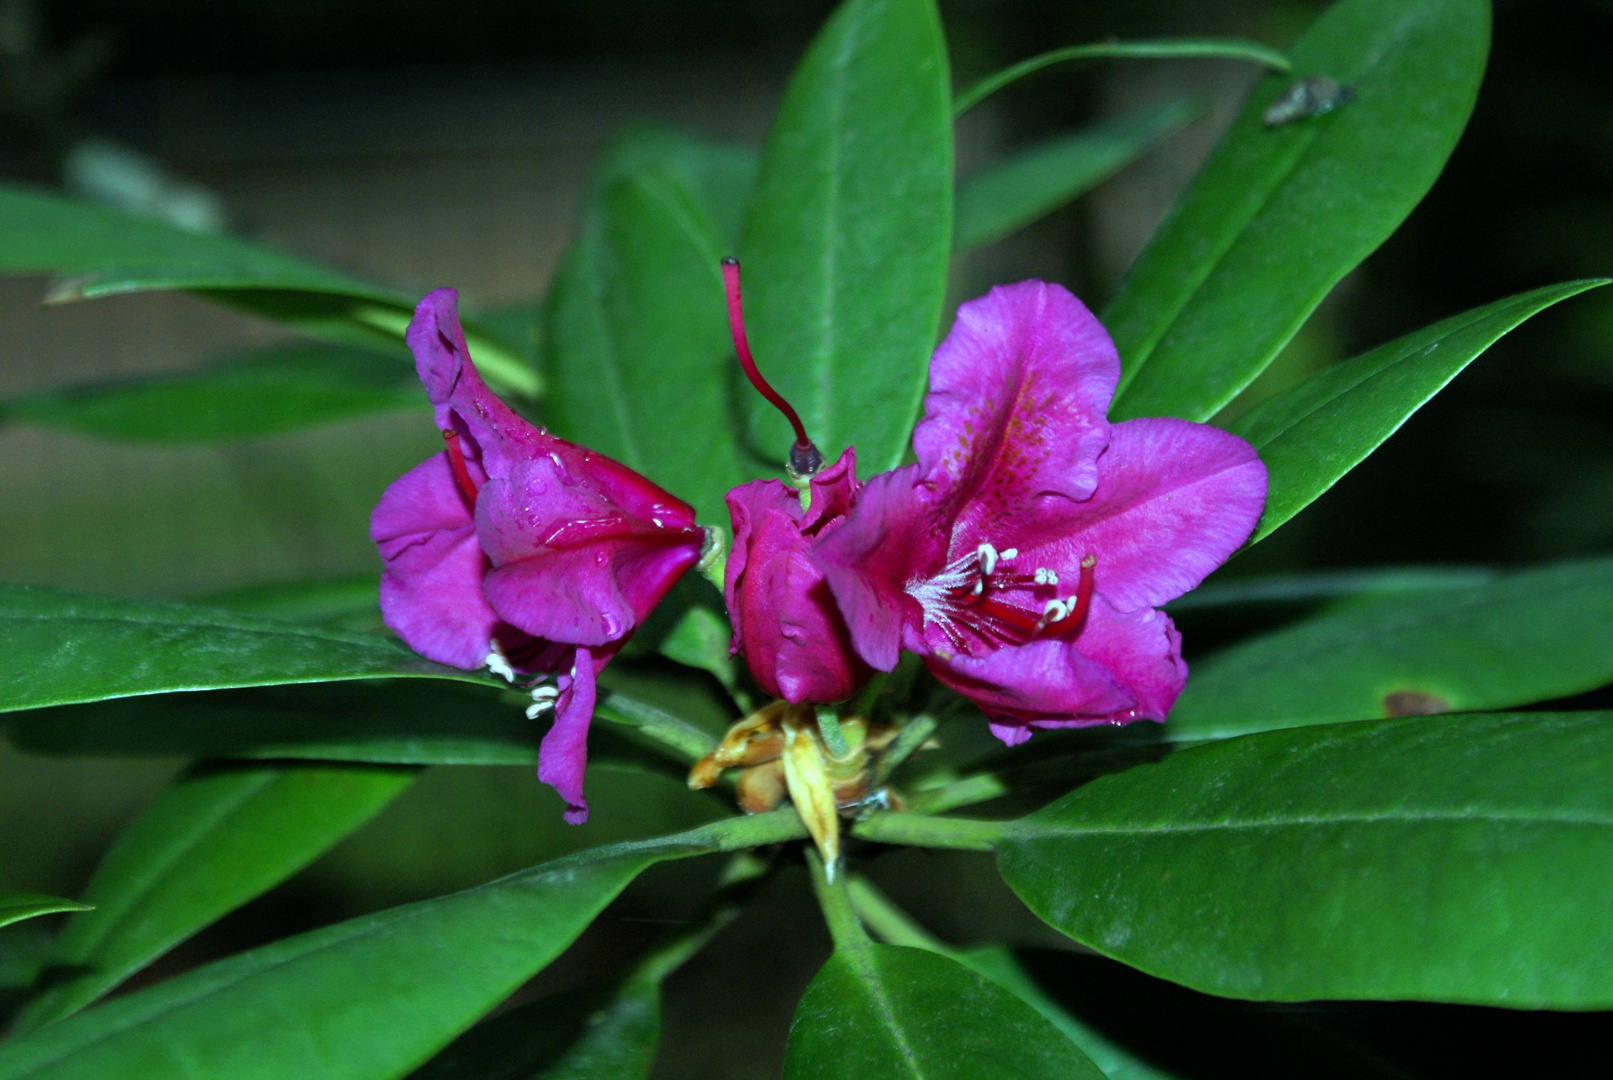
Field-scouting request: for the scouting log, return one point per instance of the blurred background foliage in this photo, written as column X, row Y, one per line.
column 416, row 144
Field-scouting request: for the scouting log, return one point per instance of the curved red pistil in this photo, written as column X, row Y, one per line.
column 456, row 462
column 1001, row 618
column 804, row 456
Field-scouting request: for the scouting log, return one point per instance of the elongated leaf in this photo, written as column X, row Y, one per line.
column 210, row 843
column 1113, row 1060
column 1312, row 434
column 1332, row 585
column 367, row 999
column 261, row 393
column 1179, row 48
column 719, row 174
column 109, row 252
column 1279, row 214
column 846, row 240
column 379, row 722
column 60, row 648
column 15, row 907
column 1464, row 858
column 892, row 1011
column 318, row 600
column 1526, row 637
column 579, row 1036
column 638, row 345
column 1037, row 181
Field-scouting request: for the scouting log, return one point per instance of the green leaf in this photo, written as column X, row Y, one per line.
column 63, row 648
column 637, row 345
column 375, row 721
column 1007, row 197
column 15, row 907
column 1112, row 1059
column 1310, row 435
column 367, row 999
column 1180, row 48
column 1278, row 215
column 1331, row 585
column 719, row 174
column 574, row 1036
column 1462, row 859
column 110, row 252
column 214, row 840
column 1526, row 637
column 891, row 1011
column 847, row 238
column 260, row 393
column 344, row 599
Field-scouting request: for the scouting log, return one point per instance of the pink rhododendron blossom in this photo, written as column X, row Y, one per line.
column 784, row 618
column 518, row 550
column 1025, row 554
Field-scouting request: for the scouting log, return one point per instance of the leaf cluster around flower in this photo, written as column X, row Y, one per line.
column 1023, row 556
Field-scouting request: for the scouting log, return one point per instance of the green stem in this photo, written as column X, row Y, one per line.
column 686, row 741
column 891, row 923
column 1218, row 48
column 979, row 788
column 910, row 738
column 844, row 927
column 920, row 830
column 863, row 703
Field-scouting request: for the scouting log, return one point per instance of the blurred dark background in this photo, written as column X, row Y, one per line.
column 423, row 143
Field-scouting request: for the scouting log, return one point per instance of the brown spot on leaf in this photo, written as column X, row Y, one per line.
column 1414, row 703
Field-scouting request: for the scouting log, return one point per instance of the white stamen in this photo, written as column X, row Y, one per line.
column 1053, row 611
column 1044, row 576
column 980, row 587
column 497, row 664
column 543, row 699
column 987, row 556
column 1008, row 553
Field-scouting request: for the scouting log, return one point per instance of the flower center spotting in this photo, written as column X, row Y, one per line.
column 805, row 458
column 977, row 596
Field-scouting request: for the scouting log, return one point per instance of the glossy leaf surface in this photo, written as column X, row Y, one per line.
column 846, row 241
column 577, row 1036
column 15, row 907
column 62, row 648
column 368, row 999
column 1465, row 858
column 1034, row 182
column 896, row 1012
column 263, row 393
column 637, row 345
column 110, row 252
column 1278, row 215
column 1526, row 637
column 211, row 842
column 1312, row 434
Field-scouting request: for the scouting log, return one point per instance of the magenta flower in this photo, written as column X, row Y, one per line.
column 784, row 618
column 518, row 550
column 1025, row 554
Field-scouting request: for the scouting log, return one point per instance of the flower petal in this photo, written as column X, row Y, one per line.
column 1048, row 680
column 747, row 504
column 569, row 564
column 431, row 584
column 563, row 753
column 1015, row 412
column 892, row 536
column 498, row 437
column 833, row 490
column 1175, row 499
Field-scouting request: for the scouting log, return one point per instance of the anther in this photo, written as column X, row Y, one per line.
column 805, row 458
column 1044, row 576
column 987, row 556
column 456, row 462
